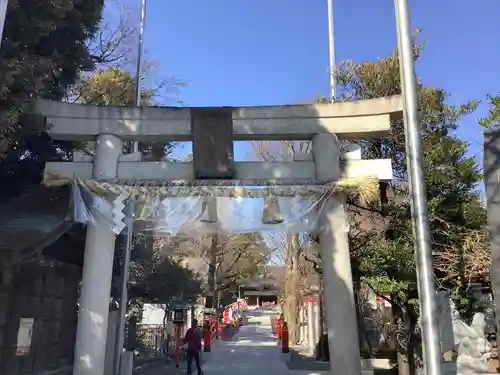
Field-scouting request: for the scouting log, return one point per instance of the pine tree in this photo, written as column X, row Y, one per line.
column 384, row 261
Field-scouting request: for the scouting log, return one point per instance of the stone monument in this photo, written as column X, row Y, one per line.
column 468, row 342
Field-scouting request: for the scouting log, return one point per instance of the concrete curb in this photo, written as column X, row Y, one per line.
column 149, row 363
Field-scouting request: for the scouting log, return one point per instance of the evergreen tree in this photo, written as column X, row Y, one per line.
column 44, row 48
column 384, row 261
column 492, row 120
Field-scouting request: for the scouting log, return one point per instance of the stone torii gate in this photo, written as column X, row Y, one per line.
column 212, row 131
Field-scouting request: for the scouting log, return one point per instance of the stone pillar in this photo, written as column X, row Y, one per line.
column 302, row 330
column 445, row 320
column 316, row 323
column 112, row 331
column 338, row 287
column 491, row 166
column 90, row 347
column 310, row 327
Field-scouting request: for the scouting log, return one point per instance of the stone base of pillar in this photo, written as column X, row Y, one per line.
column 127, row 363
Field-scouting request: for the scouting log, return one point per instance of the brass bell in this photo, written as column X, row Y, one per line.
column 272, row 212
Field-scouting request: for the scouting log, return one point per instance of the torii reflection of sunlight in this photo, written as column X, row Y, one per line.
column 98, row 324
column 85, row 361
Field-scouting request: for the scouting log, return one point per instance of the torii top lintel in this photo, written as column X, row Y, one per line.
column 360, row 119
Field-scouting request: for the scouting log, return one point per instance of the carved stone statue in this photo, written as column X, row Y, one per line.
column 472, row 348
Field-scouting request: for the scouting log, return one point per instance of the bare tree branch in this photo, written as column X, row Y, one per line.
column 115, row 42
column 461, row 253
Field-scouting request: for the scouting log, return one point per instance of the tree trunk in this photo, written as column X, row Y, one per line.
column 212, row 272
column 409, row 344
column 165, row 315
column 403, row 365
column 292, row 299
column 364, row 343
column 414, row 341
column 323, row 324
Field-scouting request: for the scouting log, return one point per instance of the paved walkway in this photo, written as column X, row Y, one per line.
column 253, row 351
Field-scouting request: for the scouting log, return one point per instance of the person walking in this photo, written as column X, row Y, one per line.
column 193, row 341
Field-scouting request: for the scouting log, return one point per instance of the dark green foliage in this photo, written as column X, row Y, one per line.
column 44, row 48
column 154, row 277
column 383, row 261
column 493, row 118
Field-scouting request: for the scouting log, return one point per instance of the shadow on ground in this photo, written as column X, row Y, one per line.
column 302, row 362
column 245, row 355
column 161, row 368
column 168, row 368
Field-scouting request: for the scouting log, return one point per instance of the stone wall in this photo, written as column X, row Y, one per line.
column 38, row 316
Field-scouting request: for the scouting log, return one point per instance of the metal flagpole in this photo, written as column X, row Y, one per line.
column 131, row 205
column 331, row 44
column 421, row 232
column 140, row 50
column 120, row 332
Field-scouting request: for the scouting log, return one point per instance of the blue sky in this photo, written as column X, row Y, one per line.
column 261, row 52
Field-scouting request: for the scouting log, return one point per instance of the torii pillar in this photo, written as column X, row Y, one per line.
column 338, row 286
column 90, row 346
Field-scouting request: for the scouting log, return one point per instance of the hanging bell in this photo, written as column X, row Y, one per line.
column 206, row 215
column 272, row 213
